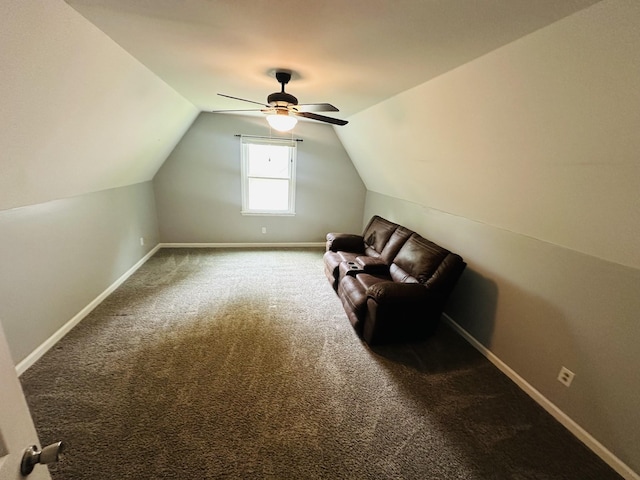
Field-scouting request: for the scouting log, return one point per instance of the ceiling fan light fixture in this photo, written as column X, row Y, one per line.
column 282, row 121
column 282, row 108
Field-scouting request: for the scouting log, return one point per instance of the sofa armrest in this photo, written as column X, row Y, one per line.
column 372, row 265
column 398, row 292
column 347, row 242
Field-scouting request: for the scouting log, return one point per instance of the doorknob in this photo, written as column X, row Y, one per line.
column 31, row 457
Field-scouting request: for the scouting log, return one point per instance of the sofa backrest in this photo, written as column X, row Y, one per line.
column 395, row 243
column 376, row 235
column 447, row 273
column 411, row 257
column 417, row 260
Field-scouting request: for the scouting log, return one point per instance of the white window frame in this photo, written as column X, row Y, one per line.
column 246, row 177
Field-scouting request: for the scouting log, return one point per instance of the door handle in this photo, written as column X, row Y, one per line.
column 32, row 456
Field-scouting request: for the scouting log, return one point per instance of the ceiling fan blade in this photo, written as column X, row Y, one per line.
column 245, row 100
column 316, row 107
column 321, row 118
column 241, row 110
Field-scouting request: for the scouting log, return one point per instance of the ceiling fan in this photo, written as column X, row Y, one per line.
column 282, row 108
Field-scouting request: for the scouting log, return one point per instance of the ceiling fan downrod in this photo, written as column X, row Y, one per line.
column 283, row 78
column 282, row 96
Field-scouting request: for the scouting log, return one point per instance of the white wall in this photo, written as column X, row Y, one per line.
column 79, row 114
column 525, row 161
column 539, row 137
column 198, row 189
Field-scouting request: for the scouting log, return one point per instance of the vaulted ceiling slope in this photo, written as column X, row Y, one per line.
column 539, row 137
column 98, row 104
column 79, row 114
column 353, row 54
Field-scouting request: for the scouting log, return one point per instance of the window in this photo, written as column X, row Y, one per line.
column 268, row 176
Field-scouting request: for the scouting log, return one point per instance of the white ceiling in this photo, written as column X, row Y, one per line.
column 353, row 54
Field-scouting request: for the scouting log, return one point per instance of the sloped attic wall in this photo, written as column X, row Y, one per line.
column 79, row 113
column 199, row 194
column 525, row 161
column 84, row 128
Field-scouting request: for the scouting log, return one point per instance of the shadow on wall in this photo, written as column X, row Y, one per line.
column 472, row 305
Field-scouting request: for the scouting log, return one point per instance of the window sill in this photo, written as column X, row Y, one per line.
column 269, row 214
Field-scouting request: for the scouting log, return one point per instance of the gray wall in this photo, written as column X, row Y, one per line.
column 80, row 116
column 198, row 187
column 538, row 306
column 57, row 257
column 525, row 161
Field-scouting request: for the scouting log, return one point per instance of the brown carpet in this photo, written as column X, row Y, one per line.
column 241, row 364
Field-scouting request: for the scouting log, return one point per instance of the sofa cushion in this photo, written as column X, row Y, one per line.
column 395, row 243
column 377, row 234
column 417, row 260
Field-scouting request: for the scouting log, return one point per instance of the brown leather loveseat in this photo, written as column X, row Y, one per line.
column 393, row 283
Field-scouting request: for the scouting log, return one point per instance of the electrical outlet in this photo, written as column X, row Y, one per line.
column 142, row 241
column 566, row 376
column 264, row 229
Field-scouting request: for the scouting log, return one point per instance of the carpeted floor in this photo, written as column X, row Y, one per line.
column 241, row 364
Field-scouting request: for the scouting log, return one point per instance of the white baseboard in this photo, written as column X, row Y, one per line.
column 62, row 331
column 614, row 462
column 243, row 245
column 34, row 356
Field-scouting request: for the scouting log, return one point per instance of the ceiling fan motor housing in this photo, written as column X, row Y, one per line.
column 277, row 97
